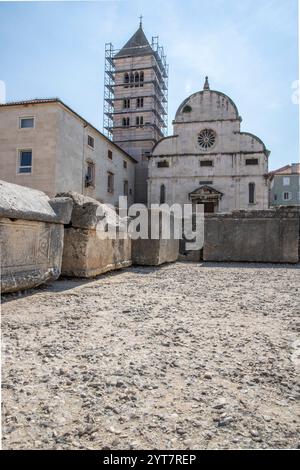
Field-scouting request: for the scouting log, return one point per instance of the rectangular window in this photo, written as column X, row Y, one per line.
column 91, row 141
column 25, row 161
column 286, row 181
column 109, row 154
column 163, row 164
column 26, row 123
column 124, row 164
column 125, row 188
column 90, row 174
column 287, row 196
column 126, row 103
column 205, row 182
column 206, row 163
column 251, row 161
column 110, row 182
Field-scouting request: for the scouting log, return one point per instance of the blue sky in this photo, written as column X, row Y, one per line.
column 248, row 48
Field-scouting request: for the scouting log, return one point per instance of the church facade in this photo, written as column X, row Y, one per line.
column 209, row 160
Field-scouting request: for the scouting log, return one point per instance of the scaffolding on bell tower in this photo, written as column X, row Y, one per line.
column 136, row 100
column 160, row 85
column 109, row 80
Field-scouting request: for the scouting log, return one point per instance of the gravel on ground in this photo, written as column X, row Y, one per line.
column 185, row 356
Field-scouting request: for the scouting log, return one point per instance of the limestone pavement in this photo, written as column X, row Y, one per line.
column 185, row 356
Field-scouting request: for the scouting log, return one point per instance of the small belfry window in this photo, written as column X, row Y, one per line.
column 140, row 102
column 25, row 161
column 139, row 120
column 110, row 154
column 207, row 139
column 125, row 122
column 26, row 123
column 91, row 141
column 126, row 103
column 251, row 189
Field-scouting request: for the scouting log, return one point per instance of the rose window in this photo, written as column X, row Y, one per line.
column 207, row 139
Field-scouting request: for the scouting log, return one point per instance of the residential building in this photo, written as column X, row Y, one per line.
column 46, row 145
column 285, row 185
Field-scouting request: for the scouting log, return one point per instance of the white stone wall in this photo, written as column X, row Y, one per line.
column 75, row 154
column 60, row 153
column 42, row 140
column 229, row 174
column 184, row 175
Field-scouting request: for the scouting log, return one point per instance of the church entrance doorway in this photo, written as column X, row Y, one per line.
column 209, row 207
column 207, row 196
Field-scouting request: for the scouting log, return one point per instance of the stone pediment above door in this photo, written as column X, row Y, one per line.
column 205, row 193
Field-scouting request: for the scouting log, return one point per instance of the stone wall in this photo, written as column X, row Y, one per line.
column 86, row 252
column 254, row 236
column 31, row 236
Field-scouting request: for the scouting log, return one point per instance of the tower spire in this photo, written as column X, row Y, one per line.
column 206, row 84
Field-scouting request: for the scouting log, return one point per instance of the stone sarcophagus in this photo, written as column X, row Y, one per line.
column 88, row 251
column 31, row 236
column 157, row 249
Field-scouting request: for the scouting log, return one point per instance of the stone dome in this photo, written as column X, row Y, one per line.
column 207, row 105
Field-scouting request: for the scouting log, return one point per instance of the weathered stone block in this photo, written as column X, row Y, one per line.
column 86, row 252
column 255, row 236
column 31, row 235
column 153, row 252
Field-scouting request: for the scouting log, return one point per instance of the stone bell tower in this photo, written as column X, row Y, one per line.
column 135, row 100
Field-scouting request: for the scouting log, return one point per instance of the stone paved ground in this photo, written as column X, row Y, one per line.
column 185, row 356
